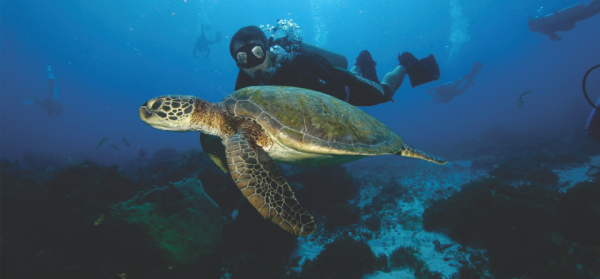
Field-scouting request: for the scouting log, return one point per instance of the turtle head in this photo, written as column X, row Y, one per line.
column 169, row 113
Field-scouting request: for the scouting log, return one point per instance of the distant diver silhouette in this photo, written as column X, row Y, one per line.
column 563, row 19
column 203, row 43
column 445, row 92
column 52, row 104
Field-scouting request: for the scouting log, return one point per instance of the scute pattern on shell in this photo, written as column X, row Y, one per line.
column 307, row 120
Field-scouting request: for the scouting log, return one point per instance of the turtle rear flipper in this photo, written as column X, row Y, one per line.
column 408, row 151
column 257, row 176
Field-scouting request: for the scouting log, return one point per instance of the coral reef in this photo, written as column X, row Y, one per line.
column 341, row 214
column 542, row 176
column 580, row 213
column 249, row 266
column 519, row 226
column 381, row 262
column 373, row 223
column 69, row 232
column 39, row 161
column 407, row 257
column 319, row 188
column 251, row 233
column 344, row 258
column 564, row 147
column 181, row 219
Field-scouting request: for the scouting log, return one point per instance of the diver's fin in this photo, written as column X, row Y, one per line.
column 214, row 149
column 419, row 71
column 218, row 36
column 472, row 83
column 408, row 151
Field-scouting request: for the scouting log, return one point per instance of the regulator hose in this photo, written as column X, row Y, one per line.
column 584, row 91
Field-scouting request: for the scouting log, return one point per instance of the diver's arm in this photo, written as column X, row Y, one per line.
column 39, row 102
column 335, row 59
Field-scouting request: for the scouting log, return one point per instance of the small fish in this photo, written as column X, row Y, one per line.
column 114, row 146
column 102, row 142
column 99, row 220
column 520, row 103
column 125, row 141
column 42, row 137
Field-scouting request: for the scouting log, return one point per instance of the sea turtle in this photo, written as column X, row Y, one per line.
column 254, row 128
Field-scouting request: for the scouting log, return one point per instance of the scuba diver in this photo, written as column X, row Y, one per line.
column 449, row 90
column 563, row 20
column 311, row 67
column 203, row 43
column 52, row 104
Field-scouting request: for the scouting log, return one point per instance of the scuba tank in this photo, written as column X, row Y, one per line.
column 561, row 14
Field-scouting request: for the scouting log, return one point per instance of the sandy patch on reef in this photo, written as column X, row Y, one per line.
column 568, row 178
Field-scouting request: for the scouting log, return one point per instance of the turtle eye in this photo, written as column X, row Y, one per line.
column 242, row 57
column 258, row 52
column 157, row 104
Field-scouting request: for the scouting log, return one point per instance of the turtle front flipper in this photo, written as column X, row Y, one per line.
column 257, row 176
column 408, row 151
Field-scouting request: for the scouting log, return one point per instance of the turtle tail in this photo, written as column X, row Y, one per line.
column 408, row 151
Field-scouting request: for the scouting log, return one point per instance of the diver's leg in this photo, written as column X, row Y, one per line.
column 363, row 92
column 394, row 79
column 366, row 66
column 207, row 52
column 356, row 70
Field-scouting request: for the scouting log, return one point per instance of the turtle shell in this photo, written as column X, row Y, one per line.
column 310, row 121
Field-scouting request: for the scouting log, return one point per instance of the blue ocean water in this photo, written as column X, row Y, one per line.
column 109, row 57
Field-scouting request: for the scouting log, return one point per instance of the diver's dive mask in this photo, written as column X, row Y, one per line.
column 250, row 55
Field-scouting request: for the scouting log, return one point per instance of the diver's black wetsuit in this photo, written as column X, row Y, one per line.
column 310, row 71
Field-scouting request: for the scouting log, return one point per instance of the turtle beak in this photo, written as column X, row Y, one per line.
column 145, row 114
column 150, row 114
